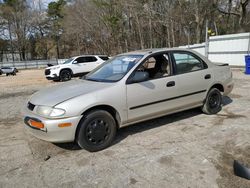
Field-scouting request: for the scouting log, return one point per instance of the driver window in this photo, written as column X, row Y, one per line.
column 157, row 66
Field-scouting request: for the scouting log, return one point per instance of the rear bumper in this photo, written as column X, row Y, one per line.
column 51, row 131
column 228, row 87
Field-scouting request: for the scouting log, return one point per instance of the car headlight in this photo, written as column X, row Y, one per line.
column 47, row 111
column 54, row 68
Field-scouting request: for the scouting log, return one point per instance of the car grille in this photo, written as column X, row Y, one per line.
column 31, row 106
column 47, row 71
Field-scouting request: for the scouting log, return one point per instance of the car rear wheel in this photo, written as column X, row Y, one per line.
column 213, row 102
column 96, row 131
column 65, row 75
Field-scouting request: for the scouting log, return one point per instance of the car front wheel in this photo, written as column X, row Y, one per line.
column 65, row 75
column 96, row 131
column 213, row 102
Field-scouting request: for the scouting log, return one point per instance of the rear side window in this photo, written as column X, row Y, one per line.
column 186, row 62
column 90, row 59
column 104, row 58
column 86, row 59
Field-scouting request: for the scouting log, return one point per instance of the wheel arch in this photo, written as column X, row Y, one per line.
column 218, row 86
column 115, row 114
column 69, row 69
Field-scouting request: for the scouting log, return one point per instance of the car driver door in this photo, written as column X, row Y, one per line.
column 79, row 65
column 155, row 96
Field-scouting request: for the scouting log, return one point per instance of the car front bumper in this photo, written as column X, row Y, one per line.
column 51, row 131
column 54, row 77
column 51, row 74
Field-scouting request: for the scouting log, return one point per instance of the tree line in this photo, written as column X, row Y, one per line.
column 65, row 28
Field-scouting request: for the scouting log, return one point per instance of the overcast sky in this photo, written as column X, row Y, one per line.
column 35, row 3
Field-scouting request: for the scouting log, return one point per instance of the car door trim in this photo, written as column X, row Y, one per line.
column 168, row 99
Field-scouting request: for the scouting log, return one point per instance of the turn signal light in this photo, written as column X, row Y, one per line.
column 36, row 124
column 64, row 125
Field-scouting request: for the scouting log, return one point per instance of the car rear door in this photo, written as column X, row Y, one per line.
column 153, row 97
column 194, row 77
column 91, row 62
column 85, row 64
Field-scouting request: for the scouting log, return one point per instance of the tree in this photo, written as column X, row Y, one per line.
column 16, row 14
column 238, row 9
column 55, row 16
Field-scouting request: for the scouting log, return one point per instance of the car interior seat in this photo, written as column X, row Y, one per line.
column 163, row 67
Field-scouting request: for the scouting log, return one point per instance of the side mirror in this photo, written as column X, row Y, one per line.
column 74, row 62
column 139, row 77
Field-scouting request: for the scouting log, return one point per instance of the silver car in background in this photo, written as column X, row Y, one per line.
column 127, row 89
column 8, row 71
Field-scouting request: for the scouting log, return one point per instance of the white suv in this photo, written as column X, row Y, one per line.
column 75, row 66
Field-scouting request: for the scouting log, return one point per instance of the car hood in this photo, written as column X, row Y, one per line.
column 52, row 96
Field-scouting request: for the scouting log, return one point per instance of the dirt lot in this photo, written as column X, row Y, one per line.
column 187, row 149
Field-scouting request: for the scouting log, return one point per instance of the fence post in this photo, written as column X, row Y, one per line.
column 248, row 50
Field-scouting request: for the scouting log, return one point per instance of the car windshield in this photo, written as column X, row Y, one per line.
column 114, row 69
column 68, row 61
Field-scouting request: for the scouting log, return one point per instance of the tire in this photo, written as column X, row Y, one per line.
column 65, row 75
column 96, row 131
column 213, row 102
column 56, row 80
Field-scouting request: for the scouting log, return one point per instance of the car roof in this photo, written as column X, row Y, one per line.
column 89, row 56
column 155, row 50
column 146, row 52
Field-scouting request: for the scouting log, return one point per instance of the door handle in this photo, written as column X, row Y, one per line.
column 208, row 76
column 171, row 84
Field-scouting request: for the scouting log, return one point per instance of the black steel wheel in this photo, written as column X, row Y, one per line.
column 65, row 75
column 213, row 102
column 96, row 131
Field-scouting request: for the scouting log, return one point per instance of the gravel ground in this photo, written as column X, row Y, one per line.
column 187, row 149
